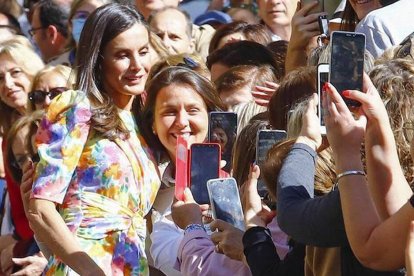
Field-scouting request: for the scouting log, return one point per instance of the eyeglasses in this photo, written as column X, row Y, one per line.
column 39, row 96
column 32, row 31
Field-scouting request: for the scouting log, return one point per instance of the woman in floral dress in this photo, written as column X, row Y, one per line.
column 95, row 180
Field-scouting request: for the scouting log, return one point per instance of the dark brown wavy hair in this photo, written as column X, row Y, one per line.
column 174, row 75
column 103, row 25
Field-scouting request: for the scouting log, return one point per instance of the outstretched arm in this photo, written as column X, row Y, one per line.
column 387, row 184
column 377, row 244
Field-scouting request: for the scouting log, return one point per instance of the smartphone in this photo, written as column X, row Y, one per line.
column 319, row 8
column 322, row 78
column 204, row 165
column 323, row 25
column 225, row 201
column 181, row 168
column 223, row 130
column 265, row 139
column 347, row 62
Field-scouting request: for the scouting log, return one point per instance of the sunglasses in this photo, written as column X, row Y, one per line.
column 39, row 96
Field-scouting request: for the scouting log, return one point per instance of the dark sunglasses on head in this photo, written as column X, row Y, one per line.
column 39, row 96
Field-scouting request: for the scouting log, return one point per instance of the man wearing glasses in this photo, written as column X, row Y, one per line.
column 49, row 30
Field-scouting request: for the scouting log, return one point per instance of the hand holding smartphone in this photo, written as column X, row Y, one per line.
column 347, row 63
column 265, row 139
column 225, row 201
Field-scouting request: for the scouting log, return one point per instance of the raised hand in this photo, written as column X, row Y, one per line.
column 256, row 213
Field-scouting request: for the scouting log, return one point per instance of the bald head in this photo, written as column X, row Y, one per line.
column 174, row 27
column 146, row 7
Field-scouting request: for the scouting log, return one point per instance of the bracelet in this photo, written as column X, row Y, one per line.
column 193, row 227
column 346, row 173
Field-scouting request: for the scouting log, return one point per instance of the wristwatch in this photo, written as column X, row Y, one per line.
column 193, row 227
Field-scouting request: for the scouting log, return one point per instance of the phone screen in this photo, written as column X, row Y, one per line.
column 347, row 62
column 225, row 201
column 204, row 165
column 265, row 140
column 223, row 131
column 323, row 77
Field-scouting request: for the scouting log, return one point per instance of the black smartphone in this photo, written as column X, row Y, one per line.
column 323, row 25
column 223, row 130
column 265, row 139
column 322, row 78
column 204, row 165
column 225, row 201
column 347, row 62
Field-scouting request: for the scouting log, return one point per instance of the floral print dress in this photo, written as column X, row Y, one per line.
column 102, row 188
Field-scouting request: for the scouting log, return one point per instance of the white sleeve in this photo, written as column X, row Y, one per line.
column 166, row 238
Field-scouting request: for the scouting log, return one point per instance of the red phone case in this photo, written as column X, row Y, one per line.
column 181, row 168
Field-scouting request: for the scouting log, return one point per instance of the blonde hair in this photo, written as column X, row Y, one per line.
column 394, row 80
column 29, row 62
column 294, row 124
column 22, row 55
column 62, row 70
column 21, row 40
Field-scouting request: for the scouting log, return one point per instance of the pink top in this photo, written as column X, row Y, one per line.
column 196, row 255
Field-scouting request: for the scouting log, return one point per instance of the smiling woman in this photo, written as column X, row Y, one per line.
column 18, row 65
column 125, row 65
column 95, row 180
column 178, row 104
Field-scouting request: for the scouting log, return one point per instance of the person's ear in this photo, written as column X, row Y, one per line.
column 52, row 33
column 192, row 45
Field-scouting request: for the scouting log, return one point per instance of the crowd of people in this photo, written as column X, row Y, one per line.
column 95, row 94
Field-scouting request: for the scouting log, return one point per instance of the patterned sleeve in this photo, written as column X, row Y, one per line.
column 60, row 139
